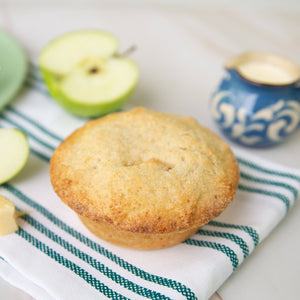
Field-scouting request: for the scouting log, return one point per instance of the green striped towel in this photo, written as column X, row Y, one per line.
column 53, row 256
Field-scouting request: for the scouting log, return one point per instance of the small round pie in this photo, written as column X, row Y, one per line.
column 144, row 179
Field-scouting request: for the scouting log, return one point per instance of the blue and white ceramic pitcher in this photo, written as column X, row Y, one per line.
column 258, row 101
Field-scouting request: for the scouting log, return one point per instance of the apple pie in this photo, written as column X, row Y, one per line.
column 144, row 179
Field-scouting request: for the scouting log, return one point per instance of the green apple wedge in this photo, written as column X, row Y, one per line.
column 85, row 75
column 14, row 152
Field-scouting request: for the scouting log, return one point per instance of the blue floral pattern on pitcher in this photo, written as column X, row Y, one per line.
column 255, row 115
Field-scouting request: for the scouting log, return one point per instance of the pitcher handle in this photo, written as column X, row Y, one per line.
column 297, row 88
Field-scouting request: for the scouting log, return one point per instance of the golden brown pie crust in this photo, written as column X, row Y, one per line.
column 144, row 179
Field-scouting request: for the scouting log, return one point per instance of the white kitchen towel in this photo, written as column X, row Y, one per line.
column 53, row 256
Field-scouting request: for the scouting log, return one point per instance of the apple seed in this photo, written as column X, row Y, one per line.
column 94, row 70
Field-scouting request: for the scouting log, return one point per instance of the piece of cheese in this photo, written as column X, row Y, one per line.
column 8, row 222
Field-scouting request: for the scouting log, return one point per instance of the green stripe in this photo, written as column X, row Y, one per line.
column 233, row 237
column 37, row 88
column 34, row 123
column 93, row 262
column 219, row 247
column 70, row 265
column 270, row 182
column 35, row 75
column 177, row 286
column 33, row 66
column 267, row 170
column 40, row 155
column 45, row 144
column 249, row 230
column 279, row 196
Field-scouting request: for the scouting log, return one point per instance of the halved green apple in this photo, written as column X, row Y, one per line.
column 14, row 152
column 85, row 75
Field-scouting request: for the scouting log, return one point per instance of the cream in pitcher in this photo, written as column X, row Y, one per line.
column 266, row 73
column 258, row 102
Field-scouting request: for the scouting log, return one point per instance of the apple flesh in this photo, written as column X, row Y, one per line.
column 85, row 75
column 14, row 152
column 8, row 222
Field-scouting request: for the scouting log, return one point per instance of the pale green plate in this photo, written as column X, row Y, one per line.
column 13, row 68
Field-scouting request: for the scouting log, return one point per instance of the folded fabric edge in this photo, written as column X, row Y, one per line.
column 18, row 280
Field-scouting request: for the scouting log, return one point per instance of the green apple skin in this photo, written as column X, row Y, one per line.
column 80, row 109
column 21, row 147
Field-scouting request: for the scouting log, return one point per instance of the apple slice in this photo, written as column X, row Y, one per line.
column 8, row 216
column 85, row 75
column 14, row 152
